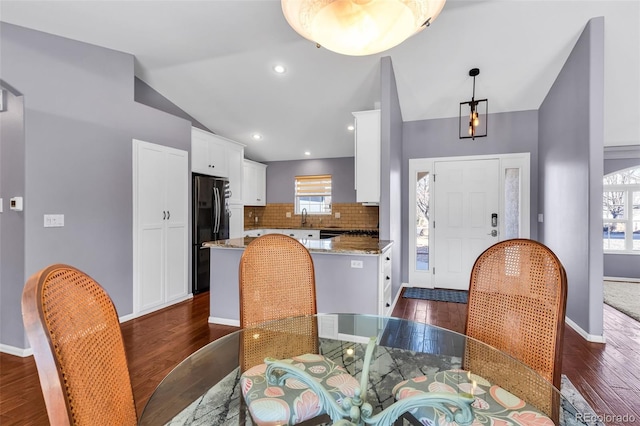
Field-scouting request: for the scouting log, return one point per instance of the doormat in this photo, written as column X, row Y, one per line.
column 439, row 295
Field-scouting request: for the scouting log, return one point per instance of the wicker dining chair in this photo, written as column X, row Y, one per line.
column 73, row 328
column 517, row 304
column 277, row 282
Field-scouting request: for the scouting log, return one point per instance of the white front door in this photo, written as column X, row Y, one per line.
column 466, row 198
column 451, row 203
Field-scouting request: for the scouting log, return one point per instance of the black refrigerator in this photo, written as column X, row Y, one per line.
column 210, row 223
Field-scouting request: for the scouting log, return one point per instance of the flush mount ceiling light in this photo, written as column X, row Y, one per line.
column 256, row 136
column 360, row 27
column 472, row 121
column 279, row 69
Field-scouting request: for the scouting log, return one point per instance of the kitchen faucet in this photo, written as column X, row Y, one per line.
column 303, row 217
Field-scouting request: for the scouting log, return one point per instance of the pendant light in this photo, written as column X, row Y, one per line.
column 360, row 27
column 472, row 121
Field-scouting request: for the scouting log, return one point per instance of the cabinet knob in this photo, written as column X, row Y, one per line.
column 388, row 278
column 387, row 304
column 388, row 258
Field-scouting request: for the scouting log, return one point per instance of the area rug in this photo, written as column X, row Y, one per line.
column 439, row 295
column 623, row 296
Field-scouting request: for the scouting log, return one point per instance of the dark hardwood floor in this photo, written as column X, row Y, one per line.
column 608, row 376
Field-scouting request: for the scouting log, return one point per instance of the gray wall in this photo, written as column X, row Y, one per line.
column 615, row 159
column 147, row 95
column 12, row 184
column 512, row 132
column 391, row 170
column 571, row 170
column 80, row 118
column 281, row 178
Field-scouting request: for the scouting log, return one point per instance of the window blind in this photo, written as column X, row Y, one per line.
column 317, row 185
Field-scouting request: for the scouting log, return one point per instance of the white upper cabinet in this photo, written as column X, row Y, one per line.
column 214, row 155
column 367, row 156
column 235, row 160
column 254, row 191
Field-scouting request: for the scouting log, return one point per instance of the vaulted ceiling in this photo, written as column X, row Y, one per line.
column 214, row 59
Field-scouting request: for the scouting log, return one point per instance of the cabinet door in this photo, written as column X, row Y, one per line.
column 255, row 186
column 218, row 160
column 199, row 152
column 248, row 183
column 149, row 226
column 261, row 184
column 176, row 225
column 236, row 221
column 367, row 156
column 235, row 160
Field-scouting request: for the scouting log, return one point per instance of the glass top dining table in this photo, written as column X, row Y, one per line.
column 408, row 357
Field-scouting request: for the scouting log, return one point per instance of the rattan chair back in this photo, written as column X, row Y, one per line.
column 73, row 328
column 517, row 303
column 277, row 280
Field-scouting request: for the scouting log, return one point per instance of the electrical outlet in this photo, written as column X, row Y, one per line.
column 337, row 215
column 288, row 214
column 356, row 264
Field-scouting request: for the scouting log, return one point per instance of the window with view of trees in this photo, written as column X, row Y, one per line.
column 313, row 193
column 621, row 211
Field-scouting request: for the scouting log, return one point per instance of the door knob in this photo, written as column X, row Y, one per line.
column 493, row 233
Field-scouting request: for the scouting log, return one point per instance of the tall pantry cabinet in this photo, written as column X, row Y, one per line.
column 160, row 226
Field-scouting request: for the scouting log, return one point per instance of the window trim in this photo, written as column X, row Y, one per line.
column 628, row 189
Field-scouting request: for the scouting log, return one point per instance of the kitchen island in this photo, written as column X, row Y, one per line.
column 353, row 275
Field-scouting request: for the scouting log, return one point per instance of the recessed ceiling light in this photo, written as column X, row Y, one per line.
column 280, row 69
column 307, row 153
column 350, row 127
column 256, row 136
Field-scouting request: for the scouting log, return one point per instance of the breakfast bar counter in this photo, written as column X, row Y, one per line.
column 353, row 275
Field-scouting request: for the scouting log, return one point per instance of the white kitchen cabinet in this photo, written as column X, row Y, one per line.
column 254, row 191
column 208, row 154
column 160, row 222
column 367, row 156
column 236, row 220
column 235, row 163
column 385, row 301
column 214, row 155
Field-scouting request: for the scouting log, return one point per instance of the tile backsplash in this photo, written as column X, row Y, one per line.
column 352, row 216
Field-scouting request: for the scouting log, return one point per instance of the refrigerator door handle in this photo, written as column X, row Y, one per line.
column 216, row 226
column 196, row 208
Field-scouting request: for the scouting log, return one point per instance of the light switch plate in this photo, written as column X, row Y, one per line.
column 53, row 220
column 288, row 214
column 337, row 215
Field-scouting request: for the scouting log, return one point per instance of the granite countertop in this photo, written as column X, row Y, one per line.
column 344, row 244
column 319, row 227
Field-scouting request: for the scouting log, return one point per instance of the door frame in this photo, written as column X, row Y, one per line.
column 521, row 161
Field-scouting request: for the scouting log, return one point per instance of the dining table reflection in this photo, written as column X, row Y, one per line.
column 407, row 359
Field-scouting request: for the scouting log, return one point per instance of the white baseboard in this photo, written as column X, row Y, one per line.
column 12, row 350
column 224, row 321
column 631, row 280
column 588, row 337
column 395, row 299
column 129, row 317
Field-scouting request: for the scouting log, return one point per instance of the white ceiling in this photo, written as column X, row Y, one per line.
column 214, row 60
